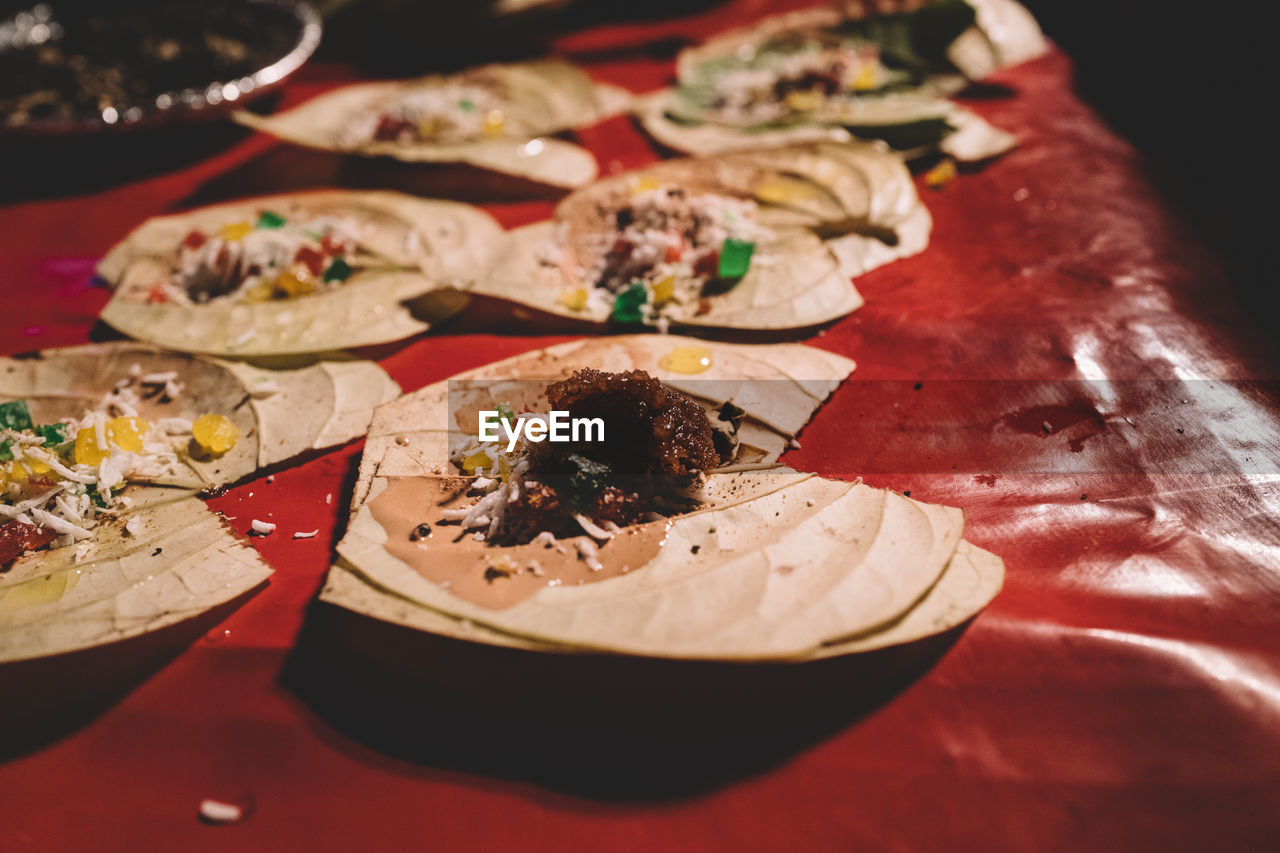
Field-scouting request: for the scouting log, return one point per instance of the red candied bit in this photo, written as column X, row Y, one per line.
column 675, row 250
column 332, row 246
column 621, row 247
column 708, row 264
column 390, row 127
column 157, row 294
column 18, row 537
column 311, row 259
column 194, row 239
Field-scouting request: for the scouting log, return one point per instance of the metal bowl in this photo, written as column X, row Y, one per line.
column 44, row 25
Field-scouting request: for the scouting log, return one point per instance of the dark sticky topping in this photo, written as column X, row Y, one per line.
column 649, row 428
column 658, row 441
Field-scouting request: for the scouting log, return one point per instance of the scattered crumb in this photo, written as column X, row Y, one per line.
column 216, row 811
column 262, row 528
column 264, row 387
column 1046, row 426
column 271, row 478
column 305, row 534
column 328, row 498
column 941, row 175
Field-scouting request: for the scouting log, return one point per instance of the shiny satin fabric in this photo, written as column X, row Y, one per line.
column 1063, row 362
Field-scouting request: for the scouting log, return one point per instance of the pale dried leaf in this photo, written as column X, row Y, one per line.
column 542, row 98
column 183, row 561
column 421, row 244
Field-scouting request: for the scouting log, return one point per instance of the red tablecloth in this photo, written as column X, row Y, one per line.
column 1063, row 362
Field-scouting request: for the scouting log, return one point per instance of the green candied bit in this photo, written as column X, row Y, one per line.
column 507, row 413
column 735, row 257
column 15, row 415
column 627, row 304
column 54, row 434
column 6, row 449
column 466, row 105
column 339, row 270
column 270, row 219
column 98, row 500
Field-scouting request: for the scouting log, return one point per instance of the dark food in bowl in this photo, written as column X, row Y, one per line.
column 79, row 63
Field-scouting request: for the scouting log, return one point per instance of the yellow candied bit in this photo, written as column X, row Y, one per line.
column 19, row 473
column 686, row 360
column 941, row 175
column 804, row 101
column 87, row 450
column 235, row 231
column 644, row 185
column 127, row 433
column 664, row 289
column 574, row 298
column 215, row 434
column 494, row 123
column 430, row 127
column 504, row 468
column 475, row 461
column 865, row 79
column 260, row 292
column 780, row 190
column 292, row 285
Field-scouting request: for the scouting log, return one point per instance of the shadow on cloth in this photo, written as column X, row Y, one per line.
column 288, row 168
column 59, row 166
column 46, row 699
column 607, row 727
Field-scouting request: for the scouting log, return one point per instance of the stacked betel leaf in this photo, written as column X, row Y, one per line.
column 299, row 273
column 103, row 451
column 680, row 537
column 498, row 117
column 827, row 73
column 757, row 239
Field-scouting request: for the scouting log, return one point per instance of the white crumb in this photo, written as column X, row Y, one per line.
column 220, row 812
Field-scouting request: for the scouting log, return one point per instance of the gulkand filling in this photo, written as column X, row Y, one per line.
column 269, row 258
column 443, row 113
column 59, row 480
column 658, row 444
column 669, row 250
